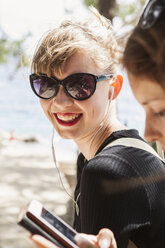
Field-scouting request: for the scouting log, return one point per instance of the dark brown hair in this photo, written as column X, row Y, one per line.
column 144, row 54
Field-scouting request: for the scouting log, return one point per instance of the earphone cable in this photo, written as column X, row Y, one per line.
column 55, row 162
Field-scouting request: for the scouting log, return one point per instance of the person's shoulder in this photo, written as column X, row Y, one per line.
column 137, row 159
column 126, row 160
column 110, row 163
column 133, row 155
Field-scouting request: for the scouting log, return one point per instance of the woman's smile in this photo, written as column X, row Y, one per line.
column 67, row 119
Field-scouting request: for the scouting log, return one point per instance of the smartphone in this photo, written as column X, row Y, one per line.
column 38, row 220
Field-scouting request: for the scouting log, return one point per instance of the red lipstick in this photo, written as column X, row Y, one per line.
column 67, row 123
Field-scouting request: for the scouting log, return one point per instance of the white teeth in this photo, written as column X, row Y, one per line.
column 67, row 117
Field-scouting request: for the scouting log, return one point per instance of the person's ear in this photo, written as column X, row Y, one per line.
column 117, row 85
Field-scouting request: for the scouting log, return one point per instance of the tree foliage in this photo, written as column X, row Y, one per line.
column 128, row 11
column 105, row 7
column 92, row 2
column 4, row 51
column 13, row 49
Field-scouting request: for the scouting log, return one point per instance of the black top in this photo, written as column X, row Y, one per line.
column 122, row 188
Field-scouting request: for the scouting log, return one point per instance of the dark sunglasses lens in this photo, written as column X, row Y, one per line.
column 44, row 87
column 80, row 87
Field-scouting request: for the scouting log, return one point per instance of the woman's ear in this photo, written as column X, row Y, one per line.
column 117, row 85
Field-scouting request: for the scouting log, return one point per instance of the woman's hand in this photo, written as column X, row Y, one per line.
column 104, row 239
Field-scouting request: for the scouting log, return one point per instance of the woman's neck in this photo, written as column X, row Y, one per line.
column 90, row 145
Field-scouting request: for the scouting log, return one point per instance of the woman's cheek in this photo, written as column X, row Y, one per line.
column 46, row 106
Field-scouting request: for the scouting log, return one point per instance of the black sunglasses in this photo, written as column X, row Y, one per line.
column 151, row 13
column 79, row 86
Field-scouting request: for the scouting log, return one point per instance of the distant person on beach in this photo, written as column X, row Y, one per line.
column 76, row 76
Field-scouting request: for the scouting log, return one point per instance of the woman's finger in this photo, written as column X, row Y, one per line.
column 106, row 239
column 41, row 242
column 86, row 241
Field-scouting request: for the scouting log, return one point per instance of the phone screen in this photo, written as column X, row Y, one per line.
column 51, row 219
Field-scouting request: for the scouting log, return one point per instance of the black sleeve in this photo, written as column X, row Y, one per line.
column 113, row 196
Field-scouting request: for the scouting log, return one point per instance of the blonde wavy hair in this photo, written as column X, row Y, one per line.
column 92, row 35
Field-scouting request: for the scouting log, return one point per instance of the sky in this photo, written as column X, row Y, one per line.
column 19, row 17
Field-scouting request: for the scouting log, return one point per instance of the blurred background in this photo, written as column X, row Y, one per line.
column 26, row 165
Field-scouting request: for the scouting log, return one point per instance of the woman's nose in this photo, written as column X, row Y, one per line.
column 62, row 98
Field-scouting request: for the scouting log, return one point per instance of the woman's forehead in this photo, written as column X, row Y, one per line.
column 145, row 90
column 82, row 61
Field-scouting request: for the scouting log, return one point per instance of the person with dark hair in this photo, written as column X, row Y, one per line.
column 144, row 60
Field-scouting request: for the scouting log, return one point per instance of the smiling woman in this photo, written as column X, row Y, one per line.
column 82, row 88
column 76, row 76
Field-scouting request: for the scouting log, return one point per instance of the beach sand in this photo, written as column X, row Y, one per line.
column 26, row 176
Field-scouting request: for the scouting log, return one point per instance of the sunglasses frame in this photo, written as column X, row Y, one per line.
column 152, row 10
column 96, row 78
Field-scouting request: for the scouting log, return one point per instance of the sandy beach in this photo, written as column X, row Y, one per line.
column 26, row 176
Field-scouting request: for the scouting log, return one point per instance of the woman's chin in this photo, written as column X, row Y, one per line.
column 65, row 135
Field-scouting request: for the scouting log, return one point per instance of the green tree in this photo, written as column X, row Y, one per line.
column 105, row 7
column 128, row 11
column 13, row 49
